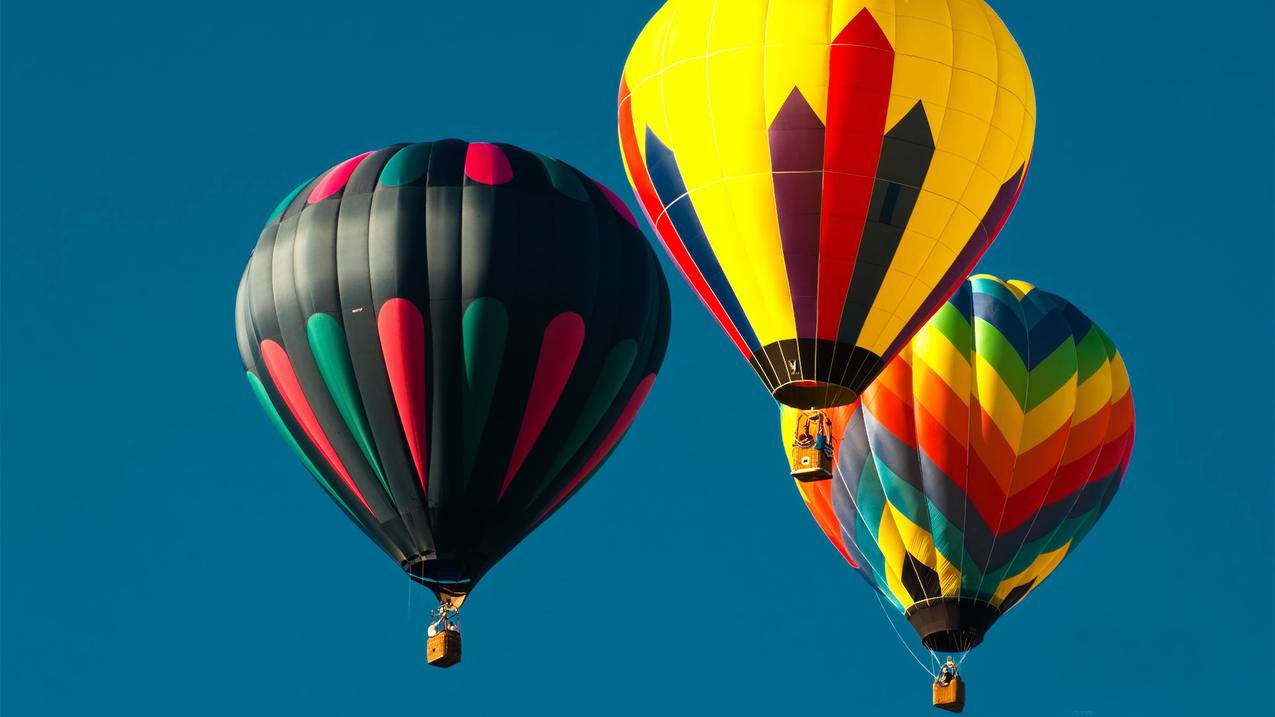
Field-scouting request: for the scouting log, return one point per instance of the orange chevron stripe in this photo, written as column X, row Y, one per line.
column 1039, row 464
column 991, row 446
column 893, row 412
column 947, row 452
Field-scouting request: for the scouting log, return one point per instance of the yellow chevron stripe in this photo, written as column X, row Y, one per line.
column 1045, row 419
column 1040, row 568
column 1094, row 394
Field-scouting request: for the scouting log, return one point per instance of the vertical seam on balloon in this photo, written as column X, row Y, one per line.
column 479, row 429
column 284, row 378
column 460, row 296
column 991, row 235
column 397, row 442
column 752, row 273
column 987, row 566
column 823, row 197
column 716, row 143
column 360, row 429
column 1036, row 513
column 969, row 427
column 765, row 55
column 936, row 132
column 559, row 349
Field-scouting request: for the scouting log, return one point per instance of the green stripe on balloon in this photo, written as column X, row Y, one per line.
column 407, row 165
column 276, row 420
column 563, row 179
column 327, row 343
column 1092, row 353
column 1001, row 355
column 615, row 369
column 483, row 328
column 288, row 200
column 1051, row 374
column 1106, row 341
column 869, row 504
column 955, row 326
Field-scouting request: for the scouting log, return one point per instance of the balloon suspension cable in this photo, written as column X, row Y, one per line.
column 928, row 670
column 446, row 617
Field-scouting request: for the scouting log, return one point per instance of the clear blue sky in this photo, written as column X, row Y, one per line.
column 164, row 554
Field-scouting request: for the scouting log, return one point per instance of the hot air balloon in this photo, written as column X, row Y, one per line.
column 825, row 174
column 453, row 337
column 978, row 460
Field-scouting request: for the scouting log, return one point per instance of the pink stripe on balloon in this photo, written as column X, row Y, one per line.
column 402, row 330
column 335, row 179
column 604, row 449
column 617, row 203
column 486, row 164
column 285, row 379
column 559, row 350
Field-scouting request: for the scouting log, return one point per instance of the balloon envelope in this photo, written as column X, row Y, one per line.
column 825, row 174
column 453, row 337
column 979, row 458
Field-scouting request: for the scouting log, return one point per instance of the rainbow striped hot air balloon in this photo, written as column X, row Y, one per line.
column 825, row 173
column 979, row 458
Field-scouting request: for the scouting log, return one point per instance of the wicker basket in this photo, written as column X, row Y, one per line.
column 950, row 697
column 810, row 464
column 443, row 648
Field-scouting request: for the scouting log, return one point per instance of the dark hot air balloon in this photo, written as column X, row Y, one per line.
column 453, row 337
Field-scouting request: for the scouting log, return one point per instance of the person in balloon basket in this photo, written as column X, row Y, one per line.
column 947, row 673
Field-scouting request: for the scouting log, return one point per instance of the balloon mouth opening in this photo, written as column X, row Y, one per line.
column 444, row 576
column 811, row 373
column 814, row 394
column 952, row 624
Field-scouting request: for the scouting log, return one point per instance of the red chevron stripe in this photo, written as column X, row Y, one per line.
column 945, row 450
column 1077, row 464
column 1039, row 463
column 984, row 494
column 893, row 413
column 988, row 443
column 860, row 72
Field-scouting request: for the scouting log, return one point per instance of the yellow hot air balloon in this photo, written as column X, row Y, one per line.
column 825, row 173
